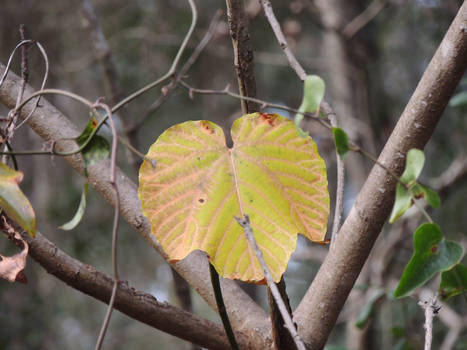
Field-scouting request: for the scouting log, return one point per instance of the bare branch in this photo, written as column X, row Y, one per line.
column 51, row 125
column 243, row 53
column 355, row 25
column 136, row 304
column 324, row 299
column 431, row 308
column 245, row 223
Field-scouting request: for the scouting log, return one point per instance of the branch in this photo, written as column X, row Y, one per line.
column 431, row 308
column 323, row 301
column 243, row 53
column 355, row 25
column 134, row 303
column 245, row 224
column 52, row 125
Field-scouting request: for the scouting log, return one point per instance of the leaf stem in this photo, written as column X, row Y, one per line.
column 216, row 286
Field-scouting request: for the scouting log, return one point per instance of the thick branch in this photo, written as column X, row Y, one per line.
column 323, row 301
column 52, row 125
column 136, row 304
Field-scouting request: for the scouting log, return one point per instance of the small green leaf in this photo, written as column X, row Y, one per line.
column 402, row 203
column 341, row 141
column 13, row 202
column 459, row 100
column 413, row 166
column 431, row 197
column 368, row 310
column 402, row 345
column 432, row 254
column 96, row 149
column 453, row 282
column 70, row 225
column 313, row 93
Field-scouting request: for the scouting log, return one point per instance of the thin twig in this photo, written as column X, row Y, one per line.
column 216, row 286
column 113, row 167
column 356, row 24
column 431, row 308
column 13, row 117
column 276, row 27
column 172, row 68
column 245, row 223
column 170, row 88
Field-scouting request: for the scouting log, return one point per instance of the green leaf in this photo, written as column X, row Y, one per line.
column 432, row 254
column 459, row 100
column 96, row 149
column 453, row 282
column 431, row 197
column 368, row 310
column 401, row 204
column 413, row 166
column 341, row 141
column 13, row 202
column 70, row 225
column 402, row 345
column 200, row 185
column 313, row 93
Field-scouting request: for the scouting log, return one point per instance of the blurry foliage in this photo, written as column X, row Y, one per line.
column 144, row 36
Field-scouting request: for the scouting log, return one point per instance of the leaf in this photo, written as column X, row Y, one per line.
column 12, row 267
column 413, row 166
column 368, row 310
column 432, row 254
column 313, row 93
column 430, row 196
column 402, row 203
column 96, row 149
column 70, row 225
column 200, row 185
column 341, row 141
column 13, row 202
column 459, row 100
column 453, row 282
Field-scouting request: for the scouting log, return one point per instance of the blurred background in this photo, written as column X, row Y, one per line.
column 370, row 65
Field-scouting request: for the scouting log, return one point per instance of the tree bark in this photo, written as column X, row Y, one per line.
column 318, row 311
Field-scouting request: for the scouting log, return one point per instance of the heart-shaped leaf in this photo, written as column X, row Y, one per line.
column 453, row 282
column 313, row 93
column 432, row 254
column 401, row 204
column 413, row 166
column 341, row 140
column 199, row 186
column 14, row 202
column 96, row 149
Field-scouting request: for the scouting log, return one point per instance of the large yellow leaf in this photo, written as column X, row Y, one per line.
column 199, row 185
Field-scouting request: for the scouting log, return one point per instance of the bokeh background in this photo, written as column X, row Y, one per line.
column 370, row 77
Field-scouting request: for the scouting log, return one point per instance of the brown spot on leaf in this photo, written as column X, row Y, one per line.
column 206, row 127
column 201, row 200
column 268, row 118
column 434, row 249
column 94, row 123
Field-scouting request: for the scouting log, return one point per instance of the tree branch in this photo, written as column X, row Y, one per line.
column 134, row 303
column 323, row 301
column 49, row 123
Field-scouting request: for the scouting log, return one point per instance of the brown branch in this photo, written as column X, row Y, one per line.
column 136, row 304
column 323, row 301
column 360, row 21
column 243, row 53
column 52, row 125
column 109, row 70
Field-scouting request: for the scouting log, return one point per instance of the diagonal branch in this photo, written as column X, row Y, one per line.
column 323, row 301
column 136, row 304
column 49, row 123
